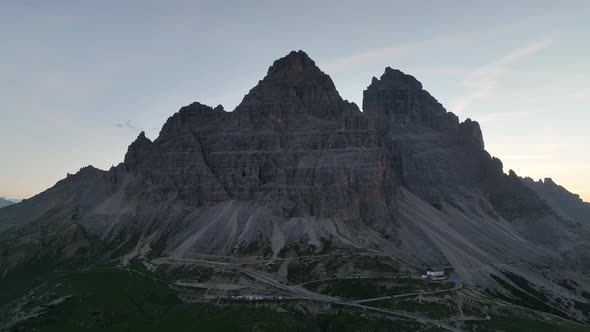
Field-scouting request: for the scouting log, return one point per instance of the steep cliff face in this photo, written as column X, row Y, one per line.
column 398, row 101
column 294, row 163
column 443, row 162
column 433, row 155
column 286, row 146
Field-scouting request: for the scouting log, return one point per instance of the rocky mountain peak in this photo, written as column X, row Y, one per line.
column 292, row 67
column 293, row 86
column 137, row 151
column 398, row 100
column 394, row 77
column 190, row 116
column 470, row 134
column 141, row 136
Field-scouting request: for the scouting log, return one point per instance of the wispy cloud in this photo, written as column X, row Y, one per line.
column 127, row 124
column 482, row 81
column 581, row 93
column 372, row 55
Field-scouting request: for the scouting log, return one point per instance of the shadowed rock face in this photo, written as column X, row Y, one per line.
column 431, row 153
column 293, row 145
column 294, row 162
column 294, row 86
column 397, row 100
column 470, row 135
column 567, row 204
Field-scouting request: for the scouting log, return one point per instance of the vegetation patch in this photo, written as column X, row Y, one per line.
column 114, row 299
column 252, row 248
column 525, row 285
column 371, row 263
column 583, row 307
column 567, row 284
column 429, row 309
column 301, row 272
column 361, row 321
column 198, row 273
column 297, row 249
column 506, row 321
column 327, row 247
column 524, row 298
column 364, row 288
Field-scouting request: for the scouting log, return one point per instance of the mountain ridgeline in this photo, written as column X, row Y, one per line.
column 5, row 202
column 296, row 166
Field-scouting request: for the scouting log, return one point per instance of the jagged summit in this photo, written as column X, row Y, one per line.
column 470, row 134
column 293, row 86
column 567, row 204
column 398, row 100
column 394, row 77
column 140, row 148
column 189, row 116
column 293, row 66
column 141, row 135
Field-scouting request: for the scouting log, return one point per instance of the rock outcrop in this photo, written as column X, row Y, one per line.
column 294, row 86
column 293, row 145
column 397, row 100
column 431, row 153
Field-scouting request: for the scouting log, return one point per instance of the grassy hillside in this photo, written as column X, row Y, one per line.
column 114, row 298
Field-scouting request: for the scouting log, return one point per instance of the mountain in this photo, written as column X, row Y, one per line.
column 5, row 202
column 567, row 204
column 292, row 197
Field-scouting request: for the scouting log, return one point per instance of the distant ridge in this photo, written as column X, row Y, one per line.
column 568, row 204
column 5, row 202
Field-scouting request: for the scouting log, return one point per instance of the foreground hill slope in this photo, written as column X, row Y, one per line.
column 296, row 171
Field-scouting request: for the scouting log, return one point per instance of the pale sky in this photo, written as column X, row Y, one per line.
column 80, row 79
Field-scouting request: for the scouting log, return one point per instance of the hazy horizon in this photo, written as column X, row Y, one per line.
column 80, row 81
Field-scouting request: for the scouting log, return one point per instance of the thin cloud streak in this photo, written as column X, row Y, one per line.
column 127, row 125
column 450, row 40
column 482, row 82
column 371, row 55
